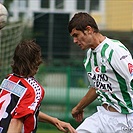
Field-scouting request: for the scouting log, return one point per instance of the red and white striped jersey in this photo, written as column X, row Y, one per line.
column 20, row 97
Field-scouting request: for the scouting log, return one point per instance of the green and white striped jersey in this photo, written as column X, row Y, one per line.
column 110, row 70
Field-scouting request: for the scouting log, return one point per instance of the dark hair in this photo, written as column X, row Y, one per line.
column 26, row 59
column 80, row 21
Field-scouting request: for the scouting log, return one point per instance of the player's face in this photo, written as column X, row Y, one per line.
column 83, row 39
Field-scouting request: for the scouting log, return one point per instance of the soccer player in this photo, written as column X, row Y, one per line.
column 109, row 67
column 21, row 94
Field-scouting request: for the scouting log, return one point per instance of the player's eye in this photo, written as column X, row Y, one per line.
column 75, row 35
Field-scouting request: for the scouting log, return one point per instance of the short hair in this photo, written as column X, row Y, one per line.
column 26, row 58
column 80, row 21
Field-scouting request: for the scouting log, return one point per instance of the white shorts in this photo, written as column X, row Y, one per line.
column 104, row 121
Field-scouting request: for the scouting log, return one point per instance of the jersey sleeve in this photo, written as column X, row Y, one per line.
column 26, row 105
column 122, row 63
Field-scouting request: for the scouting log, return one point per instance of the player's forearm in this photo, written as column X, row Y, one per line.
column 42, row 117
column 87, row 99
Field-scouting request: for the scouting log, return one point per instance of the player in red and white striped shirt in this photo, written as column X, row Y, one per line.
column 21, row 94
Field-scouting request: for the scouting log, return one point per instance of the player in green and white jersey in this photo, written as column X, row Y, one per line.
column 109, row 67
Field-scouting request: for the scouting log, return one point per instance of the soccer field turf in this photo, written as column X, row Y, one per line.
column 47, row 131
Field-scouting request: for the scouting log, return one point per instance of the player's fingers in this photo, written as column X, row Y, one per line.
column 69, row 128
column 60, row 128
column 58, row 125
column 66, row 127
column 79, row 117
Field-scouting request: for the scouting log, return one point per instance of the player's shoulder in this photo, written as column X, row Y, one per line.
column 112, row 42
column 31, row 82
column 116, row 45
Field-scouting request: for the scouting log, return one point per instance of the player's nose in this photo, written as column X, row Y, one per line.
column 75, row 40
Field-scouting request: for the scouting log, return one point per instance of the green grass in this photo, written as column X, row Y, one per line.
column 47, row 131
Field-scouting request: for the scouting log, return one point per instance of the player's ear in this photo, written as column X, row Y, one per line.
column 89, row 29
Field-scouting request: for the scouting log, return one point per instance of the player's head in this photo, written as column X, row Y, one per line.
column 80, row 21
column 26, row 59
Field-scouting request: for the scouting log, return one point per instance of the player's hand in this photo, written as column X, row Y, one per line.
column 64, row 126
column 61, row 125
column 77, row 114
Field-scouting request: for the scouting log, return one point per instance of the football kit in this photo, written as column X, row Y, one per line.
column 20, row 97
column 110, row 71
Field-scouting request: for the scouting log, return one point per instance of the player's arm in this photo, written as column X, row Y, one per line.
column 77, row 111
column 61, row 125
column 15, row 126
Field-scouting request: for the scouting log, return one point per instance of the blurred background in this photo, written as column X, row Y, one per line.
column 62, row 74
